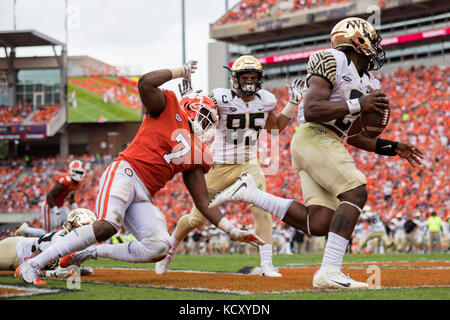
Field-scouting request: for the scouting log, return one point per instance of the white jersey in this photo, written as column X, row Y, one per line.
column 375, row 222
column 24, row 248
column 340, row 72
column 27, row 246
column 240, row 122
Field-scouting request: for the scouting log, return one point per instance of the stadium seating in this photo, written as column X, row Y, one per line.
column 420, row 114
column 259, row 9
column 14, row 115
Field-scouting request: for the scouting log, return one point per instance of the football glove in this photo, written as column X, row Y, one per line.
column 246, row 236
column 295, row 90
column 189, row 68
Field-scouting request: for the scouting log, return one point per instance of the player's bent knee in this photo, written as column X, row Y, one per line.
column 357, row 196
column 103, row 230
column 155, row 247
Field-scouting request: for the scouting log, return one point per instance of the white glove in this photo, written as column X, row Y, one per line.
column 246, row 236
column 295, row 90
column 59, row 273
column 189, row 68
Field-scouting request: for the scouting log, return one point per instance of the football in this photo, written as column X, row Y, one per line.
column 373, row 123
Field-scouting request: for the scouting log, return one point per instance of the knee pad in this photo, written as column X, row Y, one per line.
column 196, row 219
column 155, row 247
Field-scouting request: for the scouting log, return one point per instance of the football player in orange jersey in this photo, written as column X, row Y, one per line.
column 54, row 211
column 168, row 142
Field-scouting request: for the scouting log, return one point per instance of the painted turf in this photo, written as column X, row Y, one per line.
column 296, row 278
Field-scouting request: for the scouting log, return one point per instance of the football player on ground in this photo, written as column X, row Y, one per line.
column 338, row 88
column 168, row 142
column 54, row 211
column 15, row 250
column 244, row 111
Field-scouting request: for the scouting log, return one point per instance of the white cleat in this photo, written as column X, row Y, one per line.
column 333, row 278
column 270, row 271
column 21, row 230
column 239, row 191
column 162, row 266
column 29, row 272
column 83, row 255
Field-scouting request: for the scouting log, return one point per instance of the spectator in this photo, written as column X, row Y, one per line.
column 435, row 228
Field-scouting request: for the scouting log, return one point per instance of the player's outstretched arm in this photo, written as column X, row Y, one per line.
column 280, row 121
column 196, row 185
column 387, row 148
column 148, row 85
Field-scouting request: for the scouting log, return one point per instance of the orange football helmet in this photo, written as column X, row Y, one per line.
column 202, row 114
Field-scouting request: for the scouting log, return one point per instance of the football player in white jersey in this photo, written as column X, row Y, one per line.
column 244, row 111
column 15, row 250
column 338, row 88
column 377, row 230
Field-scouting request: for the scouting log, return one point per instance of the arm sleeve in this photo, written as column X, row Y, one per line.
column 323, row 64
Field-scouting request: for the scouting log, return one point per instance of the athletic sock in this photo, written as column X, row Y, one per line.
column 275, row 205
column 334, row 251
column 265, row 253
column 174, row 243
column 75, row 240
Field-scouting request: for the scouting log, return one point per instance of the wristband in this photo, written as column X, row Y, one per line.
column 289, row 110
column 386, row 147
column 225, row 225
column 74, row 205
column 353, row 106
column 179, row 72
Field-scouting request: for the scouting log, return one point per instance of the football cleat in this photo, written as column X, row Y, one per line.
column 239, row 191
column 269, row 271
column 333, row 278
column 29, row 272
column 162, row 266
column 83, row 255
column 21, row 230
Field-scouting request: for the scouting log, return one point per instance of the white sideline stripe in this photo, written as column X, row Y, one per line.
column 24, row 294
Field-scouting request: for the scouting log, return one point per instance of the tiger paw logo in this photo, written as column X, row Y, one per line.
column 129, row 172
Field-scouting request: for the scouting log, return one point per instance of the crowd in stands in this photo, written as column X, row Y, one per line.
column 420, row 114
column 259, row 9
column 14, row 115
column 45, row 114
column 17, row 114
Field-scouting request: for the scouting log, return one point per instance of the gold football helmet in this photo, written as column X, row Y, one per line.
column 245, row 64
column 360, row 35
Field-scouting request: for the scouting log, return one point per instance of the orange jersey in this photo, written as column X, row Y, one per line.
column 165, row 146
column 68, row 184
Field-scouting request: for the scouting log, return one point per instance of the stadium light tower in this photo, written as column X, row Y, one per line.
column 14, row 14
column 183, row 36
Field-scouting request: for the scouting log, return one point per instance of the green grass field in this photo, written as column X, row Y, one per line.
column 90, row 108
column 233, row 263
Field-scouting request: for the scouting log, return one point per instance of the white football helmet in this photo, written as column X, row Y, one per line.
column 77, row 170
column 79, row 217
